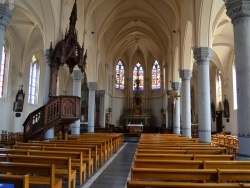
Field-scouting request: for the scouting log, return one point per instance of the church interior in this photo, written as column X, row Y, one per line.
column 96, row 74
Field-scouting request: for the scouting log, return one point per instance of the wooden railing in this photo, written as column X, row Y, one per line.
column 60, row 110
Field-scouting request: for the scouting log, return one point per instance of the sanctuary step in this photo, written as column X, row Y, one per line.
column 131, row 137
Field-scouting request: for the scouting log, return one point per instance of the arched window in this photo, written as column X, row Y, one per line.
column 119, row 76
column 156, row 76
column 138, row 76
column 219, row 89
column 234, row 87
column 33, row 81
column 3, row 74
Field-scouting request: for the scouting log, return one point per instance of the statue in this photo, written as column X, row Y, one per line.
column 137, row 101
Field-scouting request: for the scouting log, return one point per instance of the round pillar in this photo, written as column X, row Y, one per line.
column 185, row 76
column 203, row 55
column 176, row 117
column 91, row 110
column 239, row 12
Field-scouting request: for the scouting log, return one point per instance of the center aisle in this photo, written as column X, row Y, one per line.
column 116, row 173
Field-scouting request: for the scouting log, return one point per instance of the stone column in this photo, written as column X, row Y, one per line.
column 102, row 110
column 239, row 12
column 170, row 109
column 185, row 76
column 203, row 55
column 77, row 76
column 5, row 17
column 91, row 110
column 47, row 54
column 176, row 111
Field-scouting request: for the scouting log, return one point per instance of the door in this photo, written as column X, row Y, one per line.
column 219, row 121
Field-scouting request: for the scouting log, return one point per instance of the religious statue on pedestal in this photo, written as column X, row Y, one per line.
column 137, row 101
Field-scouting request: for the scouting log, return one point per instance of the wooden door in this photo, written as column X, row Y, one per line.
column 219, row 126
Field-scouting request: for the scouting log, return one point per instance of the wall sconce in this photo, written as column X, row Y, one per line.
column 109, row 109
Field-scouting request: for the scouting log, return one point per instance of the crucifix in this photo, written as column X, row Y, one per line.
column 175, row 97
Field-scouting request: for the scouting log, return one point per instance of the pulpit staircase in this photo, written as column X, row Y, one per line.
column 58, row 112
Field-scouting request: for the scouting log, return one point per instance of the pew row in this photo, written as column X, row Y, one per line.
column 158, row 184
column 40, row 174
column 63, row 165
column 184, row 157
column 19, row 181
column 76, row 157
column 202, row 175
column 188, row 164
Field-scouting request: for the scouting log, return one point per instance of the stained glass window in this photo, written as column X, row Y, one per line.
column 219, row 89
column 234, row 87
column 2, row 72
column 138, row 75
column 33, row 81
column 119, row 76
column 156, row 76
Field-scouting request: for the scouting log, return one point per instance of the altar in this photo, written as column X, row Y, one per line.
column 135, row 128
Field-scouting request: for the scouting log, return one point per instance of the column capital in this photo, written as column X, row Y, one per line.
column 77, row 75
column 238, row 10
column 5, row 15
column 169, row 92
column 185, row 74
column 101, row 92
column 10, row 4
column 92, row 85
column 176, row 85
column 202, row 54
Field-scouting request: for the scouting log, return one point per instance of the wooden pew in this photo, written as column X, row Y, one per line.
column 168, row 164
column 203, row 175
column 163, row 151
column 64, row 164
column 44, row 174
column 227, row 164
column 184, row 157
column 194, row 149
column 142, row 184
column 19, row 181
column 96, row 148
column 189, row 164
column 13, row 151
column 86, row 152
column 76, row 158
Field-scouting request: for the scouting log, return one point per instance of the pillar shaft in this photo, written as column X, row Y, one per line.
column 91, row 110
column 170, row 109
column 185, row 75
column 176, row 117
column 77, row 76
column 239, row 12
column 102, row 110
column 203, row 55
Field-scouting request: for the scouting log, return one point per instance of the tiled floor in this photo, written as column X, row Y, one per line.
column 115, row 172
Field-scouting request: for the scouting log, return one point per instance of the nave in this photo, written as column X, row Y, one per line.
column 158, row 160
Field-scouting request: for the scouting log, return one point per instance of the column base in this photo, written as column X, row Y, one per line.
column 205, row 137
column 49, row 135
column 91, row 129
column 243, row 147
column 176, row 130
column 186, row 132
